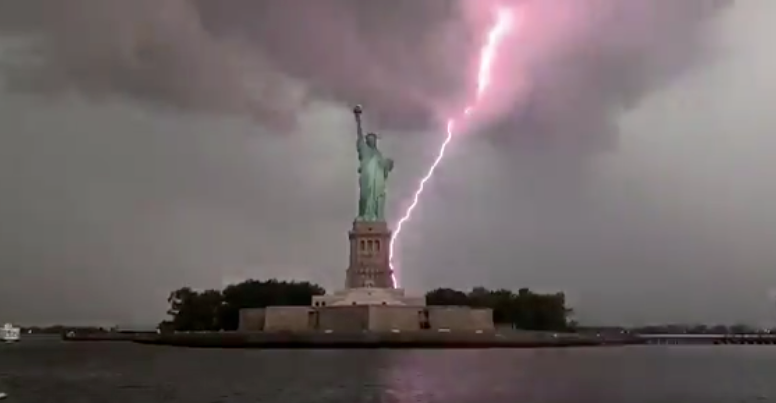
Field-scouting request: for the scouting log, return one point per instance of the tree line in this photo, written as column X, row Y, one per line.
column 213, row 310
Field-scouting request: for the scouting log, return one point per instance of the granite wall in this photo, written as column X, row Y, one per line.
column 252, row 319
column 390, row 318
column 288, row 318
column 343, row 318
column 459, row 318
column 358, row 318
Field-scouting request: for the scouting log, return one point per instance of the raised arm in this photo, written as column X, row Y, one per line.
column 357, row 111
column 360, row 142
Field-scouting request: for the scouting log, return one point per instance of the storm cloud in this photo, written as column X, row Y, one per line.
column 566, row 71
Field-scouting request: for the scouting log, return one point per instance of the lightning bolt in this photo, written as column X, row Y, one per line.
column 496, row 34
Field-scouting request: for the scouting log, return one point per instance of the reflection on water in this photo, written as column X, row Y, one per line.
column 53, row 371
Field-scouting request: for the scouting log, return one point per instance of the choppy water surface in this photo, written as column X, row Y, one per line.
column 36, row 371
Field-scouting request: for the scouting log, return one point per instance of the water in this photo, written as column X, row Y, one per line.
column 38, row 371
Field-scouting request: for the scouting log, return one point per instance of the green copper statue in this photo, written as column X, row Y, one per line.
column 373, row 170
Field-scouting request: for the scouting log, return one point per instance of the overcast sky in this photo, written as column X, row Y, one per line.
column 627, row 160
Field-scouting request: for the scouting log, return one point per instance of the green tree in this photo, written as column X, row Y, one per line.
column 195, row 311
column 447, row 296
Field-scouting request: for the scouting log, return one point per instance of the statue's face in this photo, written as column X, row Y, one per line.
column 371, row 140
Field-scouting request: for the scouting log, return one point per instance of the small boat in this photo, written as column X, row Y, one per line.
column 3, row 395
column 9, row 333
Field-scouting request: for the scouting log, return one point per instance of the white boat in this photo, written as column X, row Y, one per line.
column 9, row 333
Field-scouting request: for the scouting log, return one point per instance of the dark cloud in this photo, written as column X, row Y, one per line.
column 262, row 58
column 405, row 60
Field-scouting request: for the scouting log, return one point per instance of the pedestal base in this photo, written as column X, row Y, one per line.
column 369, row 296
column 370, row 265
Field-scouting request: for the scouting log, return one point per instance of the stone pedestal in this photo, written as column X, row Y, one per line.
column 369, row 265
column 369, row 278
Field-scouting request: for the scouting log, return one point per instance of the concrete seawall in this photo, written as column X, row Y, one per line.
column 416, row 339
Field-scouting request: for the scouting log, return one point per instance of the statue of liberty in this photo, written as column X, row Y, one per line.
column 373, row 170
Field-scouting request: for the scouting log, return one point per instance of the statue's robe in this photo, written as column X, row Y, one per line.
column 373, row 174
